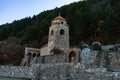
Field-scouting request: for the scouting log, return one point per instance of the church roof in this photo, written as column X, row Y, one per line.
column 59, row 18
column 33, row 49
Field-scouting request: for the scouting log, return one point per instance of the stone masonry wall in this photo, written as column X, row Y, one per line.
column 58, row 71
column 68, row 71
column 19, row 72
column 56, row 58
column 15, row 71
column 114, row 61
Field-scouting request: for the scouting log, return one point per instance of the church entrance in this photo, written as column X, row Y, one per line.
column 72, row 57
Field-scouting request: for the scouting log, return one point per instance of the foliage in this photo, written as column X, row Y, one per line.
column 96, row 47
column 82, row 19
column 115, row 48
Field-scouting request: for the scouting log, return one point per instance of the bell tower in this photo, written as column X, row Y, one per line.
column 58, row 34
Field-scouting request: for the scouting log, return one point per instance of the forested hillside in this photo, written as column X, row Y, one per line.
column 88, row 21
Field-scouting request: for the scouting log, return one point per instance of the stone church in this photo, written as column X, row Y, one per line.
column 57, row 50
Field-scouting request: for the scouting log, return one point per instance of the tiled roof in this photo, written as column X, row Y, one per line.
column 33, row 49
column 59, row 18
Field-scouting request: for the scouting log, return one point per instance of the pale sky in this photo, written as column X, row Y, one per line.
column 11, row 10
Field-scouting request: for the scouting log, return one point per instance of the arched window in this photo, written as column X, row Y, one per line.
column 72, row 57
column 34, row 54
column 38, row 55
column 29, row 54
column 61, row 22
column 52, row 32
column 62, row 32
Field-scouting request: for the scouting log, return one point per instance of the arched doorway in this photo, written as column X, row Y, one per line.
column 72, row 56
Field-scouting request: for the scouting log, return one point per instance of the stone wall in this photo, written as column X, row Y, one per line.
column 15, row 71
column 114, row 61
column 58, row 71
column 19, row 72
column 68, row 71
column 56, row 58
column 54, row 67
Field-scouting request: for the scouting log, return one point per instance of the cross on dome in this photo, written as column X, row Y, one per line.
column 59, row 14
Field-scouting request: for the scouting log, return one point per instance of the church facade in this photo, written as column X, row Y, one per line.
column 57, row 60
column 57, row 50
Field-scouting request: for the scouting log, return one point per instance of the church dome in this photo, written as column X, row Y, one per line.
column 59, row 18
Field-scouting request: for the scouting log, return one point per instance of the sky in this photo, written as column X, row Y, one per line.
column 11, row 10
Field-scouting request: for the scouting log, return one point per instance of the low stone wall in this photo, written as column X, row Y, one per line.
column 15, row 71
column 68, row 71
column 114, row 61
column 58, row 71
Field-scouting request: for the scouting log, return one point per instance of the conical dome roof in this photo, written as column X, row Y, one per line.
column 59, row 18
